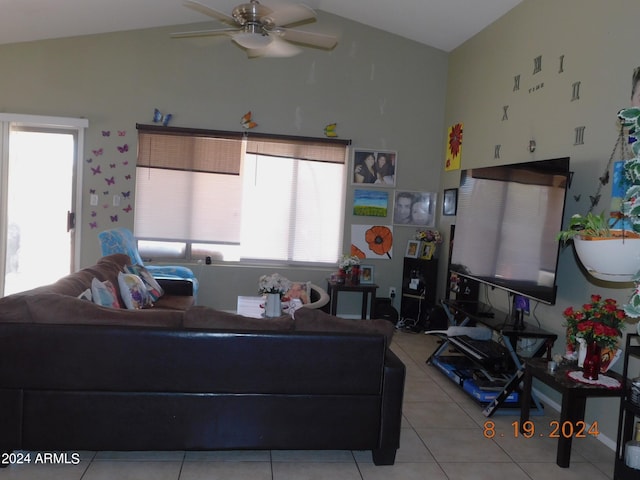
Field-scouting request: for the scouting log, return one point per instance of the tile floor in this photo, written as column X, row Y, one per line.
column 442, row 439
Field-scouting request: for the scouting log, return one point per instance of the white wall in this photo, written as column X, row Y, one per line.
column 383, row 91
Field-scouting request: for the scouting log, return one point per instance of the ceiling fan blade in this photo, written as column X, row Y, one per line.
column 206, row 33
column 320, row 40
column 291, row 14
column 278, row 48
column 199, row 7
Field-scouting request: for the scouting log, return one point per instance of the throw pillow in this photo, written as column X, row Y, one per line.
column 153, row 287
column 299, row 290
column 133, row 291
column 104, row 293
column 86, row 295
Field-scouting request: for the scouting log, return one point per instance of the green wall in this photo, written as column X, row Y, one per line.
column 384, row 92
column 598, row 43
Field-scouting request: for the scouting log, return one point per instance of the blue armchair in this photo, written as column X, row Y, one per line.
column 121, row 240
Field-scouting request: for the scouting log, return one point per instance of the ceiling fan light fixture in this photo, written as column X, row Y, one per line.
column 250, row 40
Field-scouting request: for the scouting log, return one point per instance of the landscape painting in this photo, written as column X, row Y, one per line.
column 370, row 203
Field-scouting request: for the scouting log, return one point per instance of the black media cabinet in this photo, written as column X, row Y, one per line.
column 490, row 370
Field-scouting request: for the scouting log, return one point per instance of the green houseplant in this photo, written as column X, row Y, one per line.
column 617, row 258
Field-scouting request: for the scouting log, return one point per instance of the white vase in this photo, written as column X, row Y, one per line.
column 611, row 259
column 273, row 305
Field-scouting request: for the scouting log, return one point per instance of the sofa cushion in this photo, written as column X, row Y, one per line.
column 133, row 291
column 210, row 318
column 174, row 302
column 153, row 287
column 56, row 308
column 315, row 320
column 104, row 293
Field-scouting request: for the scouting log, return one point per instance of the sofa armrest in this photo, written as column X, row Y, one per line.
column 176, row 286
column 391, row 419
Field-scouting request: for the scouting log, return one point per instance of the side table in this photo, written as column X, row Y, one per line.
column 366, row 290
column 574, row 399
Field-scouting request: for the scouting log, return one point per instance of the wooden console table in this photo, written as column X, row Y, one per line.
column 368, row 290
column 574, row 399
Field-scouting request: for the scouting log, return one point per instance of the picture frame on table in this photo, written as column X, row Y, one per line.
column 413, row 249
column 427, row 250
column 450, row 202
column 366, row 274
column 374, row 168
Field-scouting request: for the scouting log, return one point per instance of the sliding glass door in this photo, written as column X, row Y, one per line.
column 38, row 182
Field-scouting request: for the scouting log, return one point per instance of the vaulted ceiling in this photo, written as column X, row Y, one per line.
column 443, row 24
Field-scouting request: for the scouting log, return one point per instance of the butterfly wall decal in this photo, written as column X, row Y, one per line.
column 123, row 148
column 604, row 179
column 98, row 152
column 159, row 117
column 110, row 181
column 114, row 218
column 112, row 165
column 126, row 194
column 96, row 170
column 127, row 208
column 247, row 122
column 93, row 225
column 330, row 130
column 122, row 133
column 106, row 133
column 594, row 199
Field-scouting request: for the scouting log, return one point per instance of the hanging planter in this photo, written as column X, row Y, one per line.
column 615, row 258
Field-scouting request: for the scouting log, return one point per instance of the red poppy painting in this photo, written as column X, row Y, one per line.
column 372, row 241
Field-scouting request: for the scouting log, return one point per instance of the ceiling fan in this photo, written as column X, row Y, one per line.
column 262, row 31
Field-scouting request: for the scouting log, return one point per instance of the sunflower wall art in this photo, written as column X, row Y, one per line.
column 372, row 241
column 454, row 147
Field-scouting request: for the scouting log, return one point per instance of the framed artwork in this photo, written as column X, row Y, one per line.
column 450, row 201
column 366, row 274
column 415, row 208
column 427, row 249
column 372, row 241
column 370, row 203
column 413, row 249
column 374, row 168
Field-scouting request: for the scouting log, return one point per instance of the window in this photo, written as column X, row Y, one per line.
column 232, row 196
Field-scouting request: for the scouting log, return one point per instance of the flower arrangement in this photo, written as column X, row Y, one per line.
column 599, row 321
column 428, row 236
column 274, row 283
column 347, row 262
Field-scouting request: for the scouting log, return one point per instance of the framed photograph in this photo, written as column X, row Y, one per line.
column 427, row 249
column 374, row 168
column 415, row 208
column 370, row 203
column 413, row 249
column 450, row 201
column 366, row 274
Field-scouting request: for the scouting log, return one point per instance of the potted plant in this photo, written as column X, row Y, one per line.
column 273, row 287
column 597, row 325
column 610, row 253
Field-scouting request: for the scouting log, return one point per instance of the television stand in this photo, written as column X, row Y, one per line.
column 493, row 358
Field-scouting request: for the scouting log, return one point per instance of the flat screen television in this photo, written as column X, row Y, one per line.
column 507, row 221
